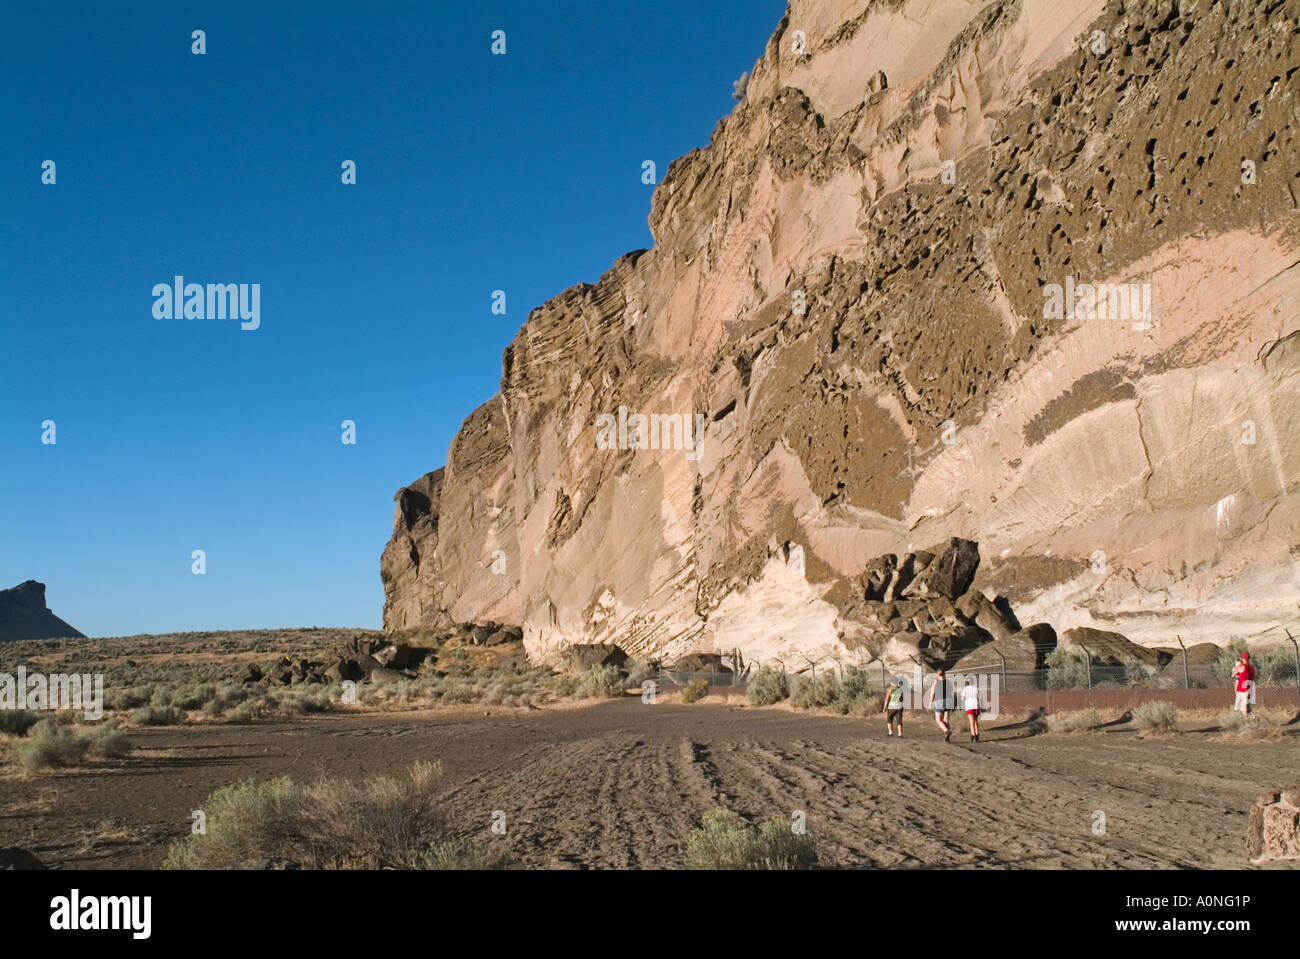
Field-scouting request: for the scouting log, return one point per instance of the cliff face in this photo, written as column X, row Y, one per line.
column 947, row 270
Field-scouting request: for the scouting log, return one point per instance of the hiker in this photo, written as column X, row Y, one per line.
column 970, row 701
column 1244, row 673
column 941, row 702
column 894, row 707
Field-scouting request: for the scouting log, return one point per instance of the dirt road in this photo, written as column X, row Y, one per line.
column 622, row 784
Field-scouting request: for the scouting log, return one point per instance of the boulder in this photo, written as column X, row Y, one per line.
column 394, row 656
column 953, row 572
column 701, row 663
column 380, row 675
column 508, row 634
column 12, row 857
column 583, row 656
column 878, row 575
column 1273, row 829
column 1024, row 651
column 983, row 611
column 904, row 649
column 1111, row 649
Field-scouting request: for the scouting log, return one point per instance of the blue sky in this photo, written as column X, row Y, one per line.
column 474, row 173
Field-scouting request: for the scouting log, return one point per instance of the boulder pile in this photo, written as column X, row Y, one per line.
column 922, row 609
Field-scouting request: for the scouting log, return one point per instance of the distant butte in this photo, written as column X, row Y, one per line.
column 24, row 615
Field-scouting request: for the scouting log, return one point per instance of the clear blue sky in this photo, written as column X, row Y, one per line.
column 474, row 173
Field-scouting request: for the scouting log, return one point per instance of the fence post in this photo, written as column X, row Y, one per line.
column 884, row 676
column 1087, row 663
column 1187, row 683
column 1296, row 648
column 1004, row 670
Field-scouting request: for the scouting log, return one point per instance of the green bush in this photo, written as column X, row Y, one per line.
column 604, row 681
column 1078, row 720
column 381, row 822
column 157, row 716
column 16, row 722
column 812, row 692
column 695, row 690
column 854, row 697
column 1067, row 668
column 1155, row 716
column 51, row 745
column 464, row 854
column 766, row 686
column 725, row 841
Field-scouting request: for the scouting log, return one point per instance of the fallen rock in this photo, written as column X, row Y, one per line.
column 1111, row 649
column 1273, row 830
column 701, row 663
column 11, row 857
column 983, row 611
column 954, row 571
column 1024, row 651
column 583, row 656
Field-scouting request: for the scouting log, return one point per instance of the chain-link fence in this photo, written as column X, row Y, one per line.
column 1071, row 671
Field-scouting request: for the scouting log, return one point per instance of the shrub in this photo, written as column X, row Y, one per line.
column 606, row 681
column 638, row 673
column 854, row 697
column 725, row 841
column 16, row 722
column 464, row 854
column 767, row 686
column 1074, row 721
column 382, row 822
column 1155, row 716
column 1232, row 720
column 157, row 716
column 1067, row 668
column 50, row 745
column 695, row 690
column 813, row 691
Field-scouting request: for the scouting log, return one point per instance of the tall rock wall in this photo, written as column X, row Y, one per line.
column 984, row 270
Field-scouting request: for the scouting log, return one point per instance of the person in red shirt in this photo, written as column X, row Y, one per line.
column 1245, row 676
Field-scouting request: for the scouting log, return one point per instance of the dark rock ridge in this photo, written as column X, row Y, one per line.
column 24, row 615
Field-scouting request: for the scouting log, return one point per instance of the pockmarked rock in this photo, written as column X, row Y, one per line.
column 944, row 274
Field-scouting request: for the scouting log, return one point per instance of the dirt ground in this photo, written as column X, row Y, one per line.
column 622, row 784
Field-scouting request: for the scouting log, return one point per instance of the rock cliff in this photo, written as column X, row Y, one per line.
column 1022, row 272
column 24, row 615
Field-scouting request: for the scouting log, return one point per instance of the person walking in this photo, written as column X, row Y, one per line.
column 940, row 700
column 970, row 701
column 1244, row 673
column 894, row 707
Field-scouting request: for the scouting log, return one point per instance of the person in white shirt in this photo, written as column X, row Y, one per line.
column 970, row 701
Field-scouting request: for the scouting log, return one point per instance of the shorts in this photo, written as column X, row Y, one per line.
column 894, row 716
column 972, row 712
column 942, row 710
column 1242, row 701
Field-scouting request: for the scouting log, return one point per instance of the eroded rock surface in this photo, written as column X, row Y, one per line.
column 854, row 289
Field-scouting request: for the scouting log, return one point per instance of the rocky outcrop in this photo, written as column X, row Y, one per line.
column 24, row 615
column 1025, row 291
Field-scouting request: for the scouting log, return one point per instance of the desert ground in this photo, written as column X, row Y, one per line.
column 622, row 783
